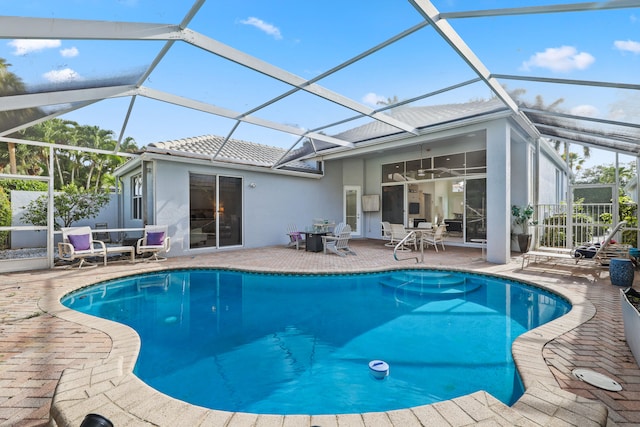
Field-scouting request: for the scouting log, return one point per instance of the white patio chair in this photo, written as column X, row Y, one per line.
column 339, row 243
column 155, row 241
column 296, row 237
column 436, row 237
column 387, row 234
column 398, row 232
column 77, row 243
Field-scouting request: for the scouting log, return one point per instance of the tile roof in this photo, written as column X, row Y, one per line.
column 422, row 117
column 234, row 151
column 250, row 153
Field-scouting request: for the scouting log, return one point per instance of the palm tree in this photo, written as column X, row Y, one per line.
column 10, row 84
column 575, row 161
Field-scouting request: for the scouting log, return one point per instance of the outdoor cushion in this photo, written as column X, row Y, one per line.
column 155, row 239
column 295, row 236
column 80, row 242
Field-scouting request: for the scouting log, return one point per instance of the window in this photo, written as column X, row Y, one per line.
column 136, row 197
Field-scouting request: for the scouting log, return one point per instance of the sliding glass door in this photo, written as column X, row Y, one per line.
column 215, row 211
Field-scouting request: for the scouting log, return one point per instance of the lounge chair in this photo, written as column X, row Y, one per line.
column 77, row 243
column 155, row 241
column 339, row 243
column 296, row 237
column 603, row 253
column 435, row 237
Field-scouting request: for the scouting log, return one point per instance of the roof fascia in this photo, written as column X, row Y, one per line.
column 208, row 162
column 401, row 140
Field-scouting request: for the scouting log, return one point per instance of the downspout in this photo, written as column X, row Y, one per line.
column 145, row 197
column 120, row 206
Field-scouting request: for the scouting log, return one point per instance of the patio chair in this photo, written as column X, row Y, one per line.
column 155, row 240
column 339, row 243
column 398, row 232
column 386, row 233
column 436, row 237
column 77, row 243
column 296, row 237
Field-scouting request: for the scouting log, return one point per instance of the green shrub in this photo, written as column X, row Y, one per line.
column 5, row 218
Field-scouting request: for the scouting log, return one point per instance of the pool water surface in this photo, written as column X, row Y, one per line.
column 301, row 344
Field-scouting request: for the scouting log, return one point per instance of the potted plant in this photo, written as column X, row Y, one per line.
column 630, row 302
column 520, row 227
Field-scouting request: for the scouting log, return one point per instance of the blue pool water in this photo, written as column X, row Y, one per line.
column 301, row 344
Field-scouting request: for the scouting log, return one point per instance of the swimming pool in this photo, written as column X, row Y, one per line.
column 287, row 344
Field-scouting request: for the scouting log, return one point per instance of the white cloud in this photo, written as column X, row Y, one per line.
column 69, row 52
column 24, row 47
column 560, row 59
column 585, row 111
column 61, row 76
column 270, row 29
column 373, row 99
column 627, row 46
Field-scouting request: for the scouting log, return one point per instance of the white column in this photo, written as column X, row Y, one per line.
column 498, row 192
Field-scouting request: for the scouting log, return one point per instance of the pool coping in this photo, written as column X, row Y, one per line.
column 109, row 387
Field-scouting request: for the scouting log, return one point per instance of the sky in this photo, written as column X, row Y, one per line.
column 309, row 38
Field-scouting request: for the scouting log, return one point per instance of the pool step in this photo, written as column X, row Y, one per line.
column 430, row 283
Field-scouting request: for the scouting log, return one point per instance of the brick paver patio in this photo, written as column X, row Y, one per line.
column 39, row 340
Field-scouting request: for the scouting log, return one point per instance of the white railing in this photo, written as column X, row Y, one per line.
column 411, row 234
column 589, row 222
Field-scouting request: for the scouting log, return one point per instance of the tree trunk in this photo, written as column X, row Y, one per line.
column 13, row 165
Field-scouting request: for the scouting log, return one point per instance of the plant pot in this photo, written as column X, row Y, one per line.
column 524, row 241
column 631, row 319
column 621, row 272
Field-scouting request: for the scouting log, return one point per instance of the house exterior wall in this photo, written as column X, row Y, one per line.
column 551, row 192
column 372, row 177
column 275, row 201
column 271, row 201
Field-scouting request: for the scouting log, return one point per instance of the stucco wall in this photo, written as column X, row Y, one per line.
column 275, row 201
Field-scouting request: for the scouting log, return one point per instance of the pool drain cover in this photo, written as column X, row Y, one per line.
column 596, row 379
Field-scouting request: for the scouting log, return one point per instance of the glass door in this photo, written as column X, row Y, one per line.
column 393, row 204
column 215, row 211
column 353, row 208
